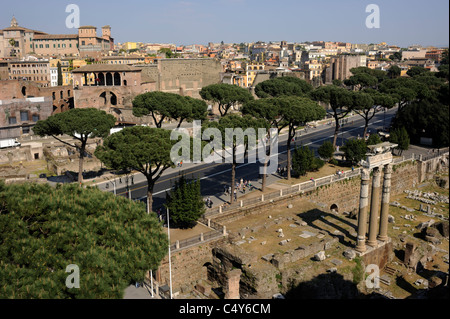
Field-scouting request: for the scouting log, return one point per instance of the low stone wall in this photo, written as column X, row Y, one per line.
column 303, row 251
column 189, row 267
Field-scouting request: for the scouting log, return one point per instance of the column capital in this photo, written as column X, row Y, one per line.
column 365, row 174
column 388, row 169
column 376, row 171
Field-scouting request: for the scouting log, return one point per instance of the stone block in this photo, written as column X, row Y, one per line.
column 267, row 257
column 278, row 261
column 349, row 254
column 336, row 262
column 320, row 256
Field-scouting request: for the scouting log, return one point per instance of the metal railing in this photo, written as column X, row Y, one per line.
column 307, row 186
column 311, row 185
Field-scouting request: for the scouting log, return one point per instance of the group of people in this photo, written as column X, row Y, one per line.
column 242, row 186
column 282, row 170
column 339, row 173
column 209, row 202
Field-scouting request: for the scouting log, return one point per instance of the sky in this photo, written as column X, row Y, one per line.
column 184, row 22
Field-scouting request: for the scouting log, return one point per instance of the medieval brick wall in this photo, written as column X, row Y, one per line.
column 183, row 76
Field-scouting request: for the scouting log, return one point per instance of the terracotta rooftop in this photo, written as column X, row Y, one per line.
column 56, row 36
column 22, row 29
column 106, row 68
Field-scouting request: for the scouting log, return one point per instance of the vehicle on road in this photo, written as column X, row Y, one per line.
column 9, row 143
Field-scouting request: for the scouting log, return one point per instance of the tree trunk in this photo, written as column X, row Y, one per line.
column 289, row 160
column 233, row 180
column 81, row 163
column 80, row 168
column 150, row 197
column 366, row 127
column 264, row 177
column 336, row 133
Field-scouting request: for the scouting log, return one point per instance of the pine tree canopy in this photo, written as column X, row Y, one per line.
column 112, row 240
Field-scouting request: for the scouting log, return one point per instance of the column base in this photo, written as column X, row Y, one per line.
column 383, row 238
column 361, row 245
column 372, row 243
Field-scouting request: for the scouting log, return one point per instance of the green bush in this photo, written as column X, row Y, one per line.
column 355, row 150
column 374, row 139
column 303, row 161
column 185, row 203
column 326, row 150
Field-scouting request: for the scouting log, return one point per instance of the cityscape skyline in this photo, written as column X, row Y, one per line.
column 183, row 22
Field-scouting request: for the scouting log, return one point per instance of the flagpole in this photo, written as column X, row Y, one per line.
column 170, row 259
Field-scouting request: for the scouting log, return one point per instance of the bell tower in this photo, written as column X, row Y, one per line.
column 14, row 22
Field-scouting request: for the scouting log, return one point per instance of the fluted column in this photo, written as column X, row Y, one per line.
column 374, row 208
column 362, row 215
column 385, row 203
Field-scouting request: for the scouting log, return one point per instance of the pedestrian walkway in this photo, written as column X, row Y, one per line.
column 131, row 292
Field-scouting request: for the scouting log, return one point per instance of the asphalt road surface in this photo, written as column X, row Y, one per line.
column 215, row 176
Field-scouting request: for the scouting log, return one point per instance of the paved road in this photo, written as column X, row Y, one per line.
column 215, row 176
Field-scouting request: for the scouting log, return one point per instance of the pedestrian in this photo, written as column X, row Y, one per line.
column 353, row 169
column 250, row 186
column 229, row 190
column 243, row 188
column 235, row 194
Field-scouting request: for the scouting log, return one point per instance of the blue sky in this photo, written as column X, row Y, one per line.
column 402, row 22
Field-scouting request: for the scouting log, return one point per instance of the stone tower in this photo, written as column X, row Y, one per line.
column 14, row 22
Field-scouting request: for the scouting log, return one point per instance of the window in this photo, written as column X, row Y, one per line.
column 23, row 116
column 12, row 120
column 26, row 130
column 35, row 117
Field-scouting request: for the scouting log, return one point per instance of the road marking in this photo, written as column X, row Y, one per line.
column 245, row 164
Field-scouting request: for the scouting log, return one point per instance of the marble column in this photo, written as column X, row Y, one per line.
column 374, row 208
column 362, row 215
column 385, row 203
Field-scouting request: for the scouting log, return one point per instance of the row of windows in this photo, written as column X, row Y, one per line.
column 47, row 46
column 29, row 72
column 30, row 78
column 29, row 65
column 24, row 117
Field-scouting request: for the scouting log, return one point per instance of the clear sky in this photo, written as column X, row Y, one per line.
column 402, row 22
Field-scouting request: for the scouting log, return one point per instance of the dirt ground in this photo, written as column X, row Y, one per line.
column 258, row 235
column 182, row 234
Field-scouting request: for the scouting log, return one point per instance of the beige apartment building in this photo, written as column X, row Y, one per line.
column 125, row 60
column 17, row 42
column 32, row 69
